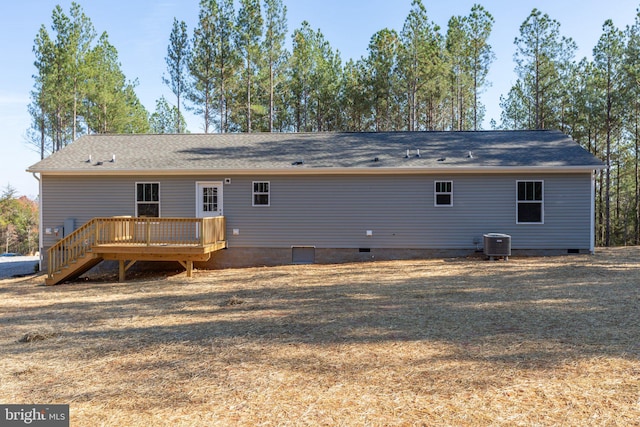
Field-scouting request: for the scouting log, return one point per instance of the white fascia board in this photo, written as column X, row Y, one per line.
column 325, row 171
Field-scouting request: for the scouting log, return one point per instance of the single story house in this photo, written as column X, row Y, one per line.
column 321, row 197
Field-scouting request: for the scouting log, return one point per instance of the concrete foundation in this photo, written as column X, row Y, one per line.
column 257, row 257
column 264, row 257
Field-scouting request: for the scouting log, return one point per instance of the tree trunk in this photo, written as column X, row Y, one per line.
column 248, row 96
column 608, row 177
column 475, row 97
column 179, row 127
column 75, row 108
column 636, row 228
column 271, row 90
column 42, row 133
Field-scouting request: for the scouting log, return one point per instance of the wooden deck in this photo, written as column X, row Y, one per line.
column 128, row 240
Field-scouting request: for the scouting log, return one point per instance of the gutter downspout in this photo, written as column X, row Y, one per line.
column 40, row 229
column 592, row 214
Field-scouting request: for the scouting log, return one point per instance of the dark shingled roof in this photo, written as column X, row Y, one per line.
column 482, row 150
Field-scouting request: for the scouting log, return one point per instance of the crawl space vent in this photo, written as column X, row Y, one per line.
column 303, row 254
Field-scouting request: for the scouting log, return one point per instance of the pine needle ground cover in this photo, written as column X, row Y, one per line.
column 460, row 342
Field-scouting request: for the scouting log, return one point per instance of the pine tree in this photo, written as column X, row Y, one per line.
column 165, row 118
column 420, row 68
column 202, row 64
column 41, row 102
column 457, row 48
column 632, row 85
column 315, row 81
column 608, row 55
column 226, row 61
column 326, row 82
column 248, row 33
column 60, row 62
column 543, row 59
column 112, row 105
column 275, row 29
column 516, row 108
column 478, row 26
column 81, row 35
column 381, row 64
column 301, row 68
column 177, row 59
column 75, row 78
column 355, row 102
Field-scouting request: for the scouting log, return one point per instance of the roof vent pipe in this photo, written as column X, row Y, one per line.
column 418, row 152
column 89, row 160
column 113, row 158
column 470, row 155
column 407, row 156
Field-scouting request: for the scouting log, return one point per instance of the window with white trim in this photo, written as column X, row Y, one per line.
column 148, row 199
column 530, row 202
column 261, row 193
column 210, row 199
column 443, row 193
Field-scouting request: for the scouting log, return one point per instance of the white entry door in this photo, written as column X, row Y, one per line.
column 209, row 199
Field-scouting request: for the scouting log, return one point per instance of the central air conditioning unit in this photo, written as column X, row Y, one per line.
column 497, row 245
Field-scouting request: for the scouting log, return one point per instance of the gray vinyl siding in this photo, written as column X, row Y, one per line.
column 84, row 198
column 336, row 211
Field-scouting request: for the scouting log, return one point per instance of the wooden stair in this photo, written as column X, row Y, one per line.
column 74, row 269
column 128, row 240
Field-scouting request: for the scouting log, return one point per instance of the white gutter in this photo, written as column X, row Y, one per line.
column 323, row 171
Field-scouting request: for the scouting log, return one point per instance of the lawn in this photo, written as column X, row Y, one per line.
column 459, row 342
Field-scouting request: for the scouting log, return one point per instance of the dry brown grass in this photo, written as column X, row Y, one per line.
column 531, row 341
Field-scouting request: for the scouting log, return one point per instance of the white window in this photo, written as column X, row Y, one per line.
column 261, row 193
column 210, row 199
column 443, row 194
column 148, row 199
column 530, row 202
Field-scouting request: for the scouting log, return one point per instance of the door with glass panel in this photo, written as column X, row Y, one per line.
column 209, row 199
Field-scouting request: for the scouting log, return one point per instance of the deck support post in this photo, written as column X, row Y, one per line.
column 189, row 268
column 122, row 269
column 188, row 265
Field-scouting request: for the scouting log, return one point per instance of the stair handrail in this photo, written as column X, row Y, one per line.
column 122, row 230
column 72, row 247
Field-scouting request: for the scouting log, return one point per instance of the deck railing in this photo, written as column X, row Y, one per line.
column 133, row 231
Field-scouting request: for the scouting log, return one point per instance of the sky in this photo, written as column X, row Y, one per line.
column 139, row 30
